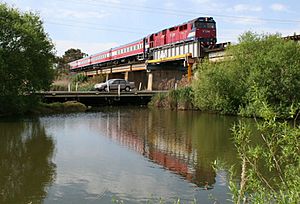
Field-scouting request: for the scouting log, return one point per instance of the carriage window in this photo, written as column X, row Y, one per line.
column 172, row 29
column 183, row 27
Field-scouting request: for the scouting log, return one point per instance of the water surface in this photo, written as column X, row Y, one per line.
column 132, row 155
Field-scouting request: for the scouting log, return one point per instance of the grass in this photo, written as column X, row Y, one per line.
column 83, row 83
column 180, row 99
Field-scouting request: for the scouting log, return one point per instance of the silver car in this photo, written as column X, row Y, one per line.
column 114, row 84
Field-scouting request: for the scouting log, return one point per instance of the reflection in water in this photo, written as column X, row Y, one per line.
column 182, row 142
column 131, row 154
column 25, row 162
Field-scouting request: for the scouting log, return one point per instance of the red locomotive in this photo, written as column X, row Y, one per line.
column 202, row 29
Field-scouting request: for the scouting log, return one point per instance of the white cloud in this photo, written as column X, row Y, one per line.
column 246, row 7
column 244, row 20
column 86, row 47
column 278, row 7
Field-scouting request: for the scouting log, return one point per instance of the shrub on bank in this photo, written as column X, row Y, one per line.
column 279, row 152
column 66, row 107
column 59, row 87
column 180, row 99
column 260, row 69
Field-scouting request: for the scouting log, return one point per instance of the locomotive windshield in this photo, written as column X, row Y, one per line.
column 204, row 25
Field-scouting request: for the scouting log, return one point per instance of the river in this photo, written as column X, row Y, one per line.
column 116, row 155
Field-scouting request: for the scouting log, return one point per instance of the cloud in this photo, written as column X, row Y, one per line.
column 278, row 7
column 86, row 47
column 246, row 7
column 243, row 20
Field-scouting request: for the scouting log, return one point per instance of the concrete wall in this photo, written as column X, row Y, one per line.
column 116, row 76
column 165, row 79
column 140, row 78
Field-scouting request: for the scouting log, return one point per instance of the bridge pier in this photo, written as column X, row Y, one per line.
column 150, row 81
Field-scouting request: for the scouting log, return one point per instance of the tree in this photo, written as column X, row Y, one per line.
column 26, row 58
column 69, row 56
column 73, row 54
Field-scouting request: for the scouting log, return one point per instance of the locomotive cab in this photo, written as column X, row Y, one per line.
column 204, row 30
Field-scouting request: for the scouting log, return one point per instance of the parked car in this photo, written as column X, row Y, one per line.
column 113, row 84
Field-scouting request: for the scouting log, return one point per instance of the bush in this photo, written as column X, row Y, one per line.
column 174, row 99
column 185, row 98
column 158, row 100
column 263, row 66
column 217, row 88
column 278, row 179
column 66, row 107
column 80, row 78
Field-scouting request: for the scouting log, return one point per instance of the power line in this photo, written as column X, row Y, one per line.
column 105, row 25
column 178, row 12
column 93, row 28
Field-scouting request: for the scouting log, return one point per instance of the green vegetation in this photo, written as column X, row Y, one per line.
column 63, row 77
column 180, row 99
column 270, row 172
column 260, row 78
column 26, row 59
column 69, row 56
column 78, row 82
column 261, row 68
column 66, row 107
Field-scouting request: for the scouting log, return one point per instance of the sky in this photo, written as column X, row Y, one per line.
column 97, row 25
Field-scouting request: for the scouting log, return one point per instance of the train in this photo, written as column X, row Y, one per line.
column 202, row 29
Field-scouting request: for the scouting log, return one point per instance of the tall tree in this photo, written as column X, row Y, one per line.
column 73, row 54
column 69, row 56
column 26, row 58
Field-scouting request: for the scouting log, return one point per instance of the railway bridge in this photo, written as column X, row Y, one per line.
column 168, row 62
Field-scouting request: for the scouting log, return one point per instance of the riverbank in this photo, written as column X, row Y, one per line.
column 179, row 99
